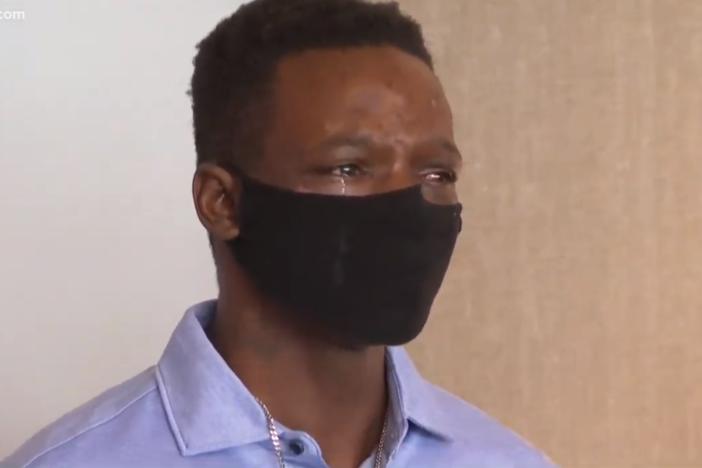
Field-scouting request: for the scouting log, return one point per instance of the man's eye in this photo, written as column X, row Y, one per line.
column 347, row 170
column 441, row 177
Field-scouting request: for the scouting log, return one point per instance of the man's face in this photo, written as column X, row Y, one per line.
column 360, row 121
column 357, row 121
column 351, row 122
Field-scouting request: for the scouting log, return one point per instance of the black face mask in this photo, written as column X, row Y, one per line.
column 361, row 270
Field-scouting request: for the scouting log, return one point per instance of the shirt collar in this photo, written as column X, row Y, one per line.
column 210, row 409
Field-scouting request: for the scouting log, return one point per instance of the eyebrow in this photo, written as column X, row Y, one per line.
column 445, row 143
column 346, row 139
column 364, row 141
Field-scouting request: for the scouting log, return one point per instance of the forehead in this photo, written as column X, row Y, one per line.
column 365, row 89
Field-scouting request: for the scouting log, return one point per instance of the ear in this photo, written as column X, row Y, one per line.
column 216, row 197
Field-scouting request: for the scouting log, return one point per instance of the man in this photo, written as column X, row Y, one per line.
column 326, row 181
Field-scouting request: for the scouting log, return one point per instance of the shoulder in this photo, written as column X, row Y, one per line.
column 76, row 437
column 478, row 433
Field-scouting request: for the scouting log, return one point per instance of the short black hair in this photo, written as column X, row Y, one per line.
column 236, row 63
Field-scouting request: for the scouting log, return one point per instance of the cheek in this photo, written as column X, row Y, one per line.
column 335, row 186
column 441, row 194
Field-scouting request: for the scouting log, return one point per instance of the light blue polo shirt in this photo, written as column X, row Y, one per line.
column 191, row 411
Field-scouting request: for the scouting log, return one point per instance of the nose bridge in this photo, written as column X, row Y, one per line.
column 401, row 174
column 398, row 172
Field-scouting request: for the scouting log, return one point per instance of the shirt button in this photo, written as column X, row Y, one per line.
column 297, row 447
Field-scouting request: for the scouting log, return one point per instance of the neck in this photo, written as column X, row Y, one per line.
column 338, row 396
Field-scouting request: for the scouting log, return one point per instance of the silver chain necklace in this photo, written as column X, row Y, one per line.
column 275, row 439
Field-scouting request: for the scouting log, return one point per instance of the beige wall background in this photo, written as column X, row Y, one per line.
column 573, row 311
